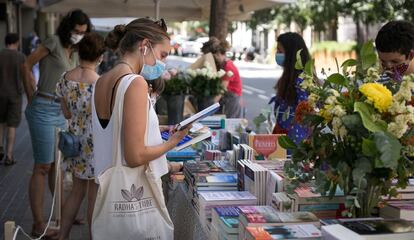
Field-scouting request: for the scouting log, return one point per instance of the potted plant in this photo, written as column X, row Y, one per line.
column 176, row 87
column 362, row 138
column 205, row 85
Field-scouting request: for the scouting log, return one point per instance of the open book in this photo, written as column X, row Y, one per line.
column 198, row 116
column 193, row 137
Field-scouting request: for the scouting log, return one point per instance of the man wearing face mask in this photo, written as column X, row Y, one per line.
column 55, row 55
column 395, row 46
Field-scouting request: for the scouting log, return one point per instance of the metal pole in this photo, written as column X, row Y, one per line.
column 157, row 9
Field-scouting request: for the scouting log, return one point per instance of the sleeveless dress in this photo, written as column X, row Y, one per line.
column 103, row 138
column 78, row 99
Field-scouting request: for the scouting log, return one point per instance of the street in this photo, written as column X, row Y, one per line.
column 258, row 81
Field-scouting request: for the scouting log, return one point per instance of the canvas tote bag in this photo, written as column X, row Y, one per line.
column 130, row 202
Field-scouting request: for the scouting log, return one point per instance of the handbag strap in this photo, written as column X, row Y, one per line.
column 117, row 153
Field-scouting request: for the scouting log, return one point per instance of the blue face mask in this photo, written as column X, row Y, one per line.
column 151, row 73
column 280, row 59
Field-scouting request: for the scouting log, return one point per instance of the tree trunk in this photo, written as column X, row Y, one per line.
column 333, row 27
column 359, row 34
column 218, row 19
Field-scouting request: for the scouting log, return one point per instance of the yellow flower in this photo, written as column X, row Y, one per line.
column 377, row 94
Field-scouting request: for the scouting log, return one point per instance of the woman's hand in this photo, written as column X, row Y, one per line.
column 177, row 136
column 164, row 128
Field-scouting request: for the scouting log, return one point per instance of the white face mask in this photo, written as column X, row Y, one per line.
column 76, row 38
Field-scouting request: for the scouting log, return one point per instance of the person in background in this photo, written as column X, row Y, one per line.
column 395, row 46
column 11, row 65
column 288, row 90
column 230, row 101
column 75, row 92
column 56, row 55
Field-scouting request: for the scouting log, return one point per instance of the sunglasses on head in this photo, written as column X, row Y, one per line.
column 161, row 23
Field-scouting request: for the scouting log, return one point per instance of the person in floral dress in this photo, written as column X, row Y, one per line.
column 75, row 91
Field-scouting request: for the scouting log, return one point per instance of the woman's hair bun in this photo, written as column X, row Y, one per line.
column 115, row 36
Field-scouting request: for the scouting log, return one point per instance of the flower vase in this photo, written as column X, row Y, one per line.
column 205, row 102
column 175, row 106
column 367, row 200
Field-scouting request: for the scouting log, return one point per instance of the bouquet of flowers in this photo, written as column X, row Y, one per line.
column 204, row 82
column 362, row 138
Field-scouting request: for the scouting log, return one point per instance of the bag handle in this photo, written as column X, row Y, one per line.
column 117, row 153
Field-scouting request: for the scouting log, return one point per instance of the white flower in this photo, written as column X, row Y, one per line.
column 204, row 72
column 230, row 74
column 339, row 111
column 313, row 99
column 221, row 73
column 331, row 100
column 191, row 72
column 342, row 132
column 372, row 75
column 333, row 92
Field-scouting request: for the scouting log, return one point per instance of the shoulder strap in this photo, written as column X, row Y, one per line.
column 113, row 91
column 117, row 153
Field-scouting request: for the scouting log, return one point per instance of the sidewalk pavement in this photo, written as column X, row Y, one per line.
column 14, row 186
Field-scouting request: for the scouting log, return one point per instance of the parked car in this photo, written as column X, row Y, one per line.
column 193, row 47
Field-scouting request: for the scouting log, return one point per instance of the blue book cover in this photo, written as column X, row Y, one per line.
column 186, row 152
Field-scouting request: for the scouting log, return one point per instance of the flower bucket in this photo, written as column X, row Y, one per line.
column 175, row 106
column 205, row 102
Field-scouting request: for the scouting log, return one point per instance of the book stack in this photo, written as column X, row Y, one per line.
column 398, row 209
column 209, row 176
column 305, row 199
column 212, row 155
column 225, row 222
column 255, row 181
column 303, row 231
column 183, row 155
column 242, row 151
column 213, row 122
column 275, row 184
column 282, row 202
column 365, row 229
column 266, row 216
column 206, row 145
column 209, row 200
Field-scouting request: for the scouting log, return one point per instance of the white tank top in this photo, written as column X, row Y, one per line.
column 102, row 137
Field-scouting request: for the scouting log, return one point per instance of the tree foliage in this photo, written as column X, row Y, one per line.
column 323, row 14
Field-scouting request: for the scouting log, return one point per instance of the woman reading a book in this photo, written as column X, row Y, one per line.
column 143, row 45
column 288, row 91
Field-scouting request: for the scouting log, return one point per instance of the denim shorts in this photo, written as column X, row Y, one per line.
column 43, row 117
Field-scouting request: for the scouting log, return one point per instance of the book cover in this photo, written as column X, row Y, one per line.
column 305, row 231
column 386, row 226
column 216, row 179
column 266, row 147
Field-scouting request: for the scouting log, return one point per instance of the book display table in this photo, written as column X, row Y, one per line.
column 186, row 221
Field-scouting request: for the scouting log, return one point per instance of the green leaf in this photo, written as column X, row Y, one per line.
column 390, row 149
column 352, row 121
column 369, row 148
column 309, row 66
column 368, row 56
column 298, row 64
column 366, row 112
column 286, row 143
column 349, row 63
column 338, row 79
